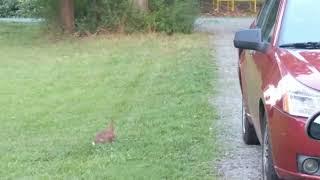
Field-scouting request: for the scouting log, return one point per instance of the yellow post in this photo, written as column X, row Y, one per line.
column 232, row 5
column 218, row 5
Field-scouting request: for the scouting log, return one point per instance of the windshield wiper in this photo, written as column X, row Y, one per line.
column 305, row 45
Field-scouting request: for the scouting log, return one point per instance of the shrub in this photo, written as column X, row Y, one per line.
column 168, row 16
column 18, row 8
column 174, row 15
column 8, row 8
column 27, row 8
column 116, row 15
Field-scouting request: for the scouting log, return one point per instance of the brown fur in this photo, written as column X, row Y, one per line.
column 105, row 136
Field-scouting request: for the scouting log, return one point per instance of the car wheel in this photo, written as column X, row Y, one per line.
column 268, row 170
column 248, row 132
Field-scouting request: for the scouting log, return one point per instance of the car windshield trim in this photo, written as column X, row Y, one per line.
column 302, row 45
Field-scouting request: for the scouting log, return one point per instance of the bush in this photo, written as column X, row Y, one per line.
column 165, row 16
column 8, row 8
column 116, row 15
column 18, row 8
column 168, row 16
column 174, row 15
column 27, row 8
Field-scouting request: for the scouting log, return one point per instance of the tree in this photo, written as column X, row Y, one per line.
column 142, row 5
column 67, row 15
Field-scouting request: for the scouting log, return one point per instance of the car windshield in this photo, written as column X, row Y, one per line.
column 301, row 22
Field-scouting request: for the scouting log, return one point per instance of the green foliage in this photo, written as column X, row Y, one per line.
column 110, row 15
column 8, row 8
column 174, row 15
column 49, row 10
column 118, row 15
column 28, row 8
column 168, row 16
column 18, row 8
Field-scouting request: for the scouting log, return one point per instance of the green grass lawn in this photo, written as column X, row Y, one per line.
column 55, row 96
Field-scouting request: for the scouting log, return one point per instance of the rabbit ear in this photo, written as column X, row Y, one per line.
column 111, row 124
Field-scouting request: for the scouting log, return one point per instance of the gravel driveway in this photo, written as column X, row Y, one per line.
column 238, row 160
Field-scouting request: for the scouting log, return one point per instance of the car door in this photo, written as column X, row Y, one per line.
column 255, row 63
column 243, row 62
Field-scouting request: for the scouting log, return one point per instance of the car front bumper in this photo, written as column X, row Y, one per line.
column 289, row 140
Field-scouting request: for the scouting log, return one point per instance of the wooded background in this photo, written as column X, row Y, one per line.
column 92, row 16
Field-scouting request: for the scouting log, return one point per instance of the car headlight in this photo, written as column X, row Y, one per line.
column 300, row 100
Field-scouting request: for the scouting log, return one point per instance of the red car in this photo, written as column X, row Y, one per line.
column 279, row 72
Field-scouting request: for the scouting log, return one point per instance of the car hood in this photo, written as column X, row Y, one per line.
column 304, row 65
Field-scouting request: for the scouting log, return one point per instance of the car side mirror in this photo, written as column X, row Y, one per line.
column 313, row 127
column 250, row 39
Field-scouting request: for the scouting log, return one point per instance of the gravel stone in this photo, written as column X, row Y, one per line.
column 238, row 161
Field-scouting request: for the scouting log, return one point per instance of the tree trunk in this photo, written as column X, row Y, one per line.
column 67, row 15
column 142, row 5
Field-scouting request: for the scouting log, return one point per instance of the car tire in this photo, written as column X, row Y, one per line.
column 248, row 132
column 268, row 171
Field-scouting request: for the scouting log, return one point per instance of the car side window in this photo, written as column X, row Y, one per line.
column 268, row 25
column 263, row 12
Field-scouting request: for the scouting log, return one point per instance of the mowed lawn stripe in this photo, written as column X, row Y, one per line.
column 56, row 94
